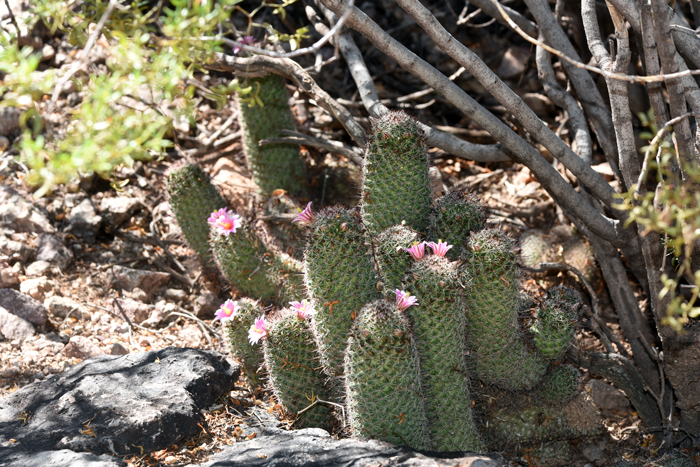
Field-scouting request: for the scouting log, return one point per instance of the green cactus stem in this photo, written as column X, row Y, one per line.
column 236, row 333
column 452, row 219
column 274, row 166
column 292, row 362
column 395, row 183
column 193, row 198
column 439, row 324
column 535, row 249
column 383, row 383
column 393, row 261
column 509, row 424
column 340, row 278
column 555, row 327
column 497, row 352
column 559, row 385
column 255, row 270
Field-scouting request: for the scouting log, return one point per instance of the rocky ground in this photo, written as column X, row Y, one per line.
column 87, row 270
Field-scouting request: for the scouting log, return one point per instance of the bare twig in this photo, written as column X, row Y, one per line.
column 13, row 19
column 292, row 70
column 296, row 53
column 84, row 54
column 304, row 139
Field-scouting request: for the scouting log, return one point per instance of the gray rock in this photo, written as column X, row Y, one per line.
column 19, row 214
column 81, row 347
column 83, row 221
column 36, row 288
column 13, row 327
column 23, row 306
column 62, row 458
column 129, row 279
column 38, row 268
column 50, row 248
column 206, row 305
column 175, row 294
column 15, row 250
column 62, row 306
column 161, row 314
column 8, row 275
column 606, row 396
column 136, row 311
column 117, row 210
column 118, row 349
column 593, row 453
column 314, row 447
column 145, row 399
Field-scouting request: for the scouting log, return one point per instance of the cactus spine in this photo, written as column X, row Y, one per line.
column 439, row 323
column 193, row 198
column 276, row 165
column 292, row 362
column 395, row 183
column 255, row 270
column 236, row 332
column 498, row 353
column 340, row 279
column 382, row 378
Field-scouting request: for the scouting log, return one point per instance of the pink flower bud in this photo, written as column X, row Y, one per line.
column 440, row 248
column 305, row 217
column 227, row 311
column 417, row 251
column 404, row 300
column 257, row 331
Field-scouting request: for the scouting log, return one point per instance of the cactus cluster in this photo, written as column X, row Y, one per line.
column 410, row 371
column 236, row 331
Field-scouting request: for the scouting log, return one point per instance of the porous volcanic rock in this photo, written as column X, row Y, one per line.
column 313, row 447
column 116, row 404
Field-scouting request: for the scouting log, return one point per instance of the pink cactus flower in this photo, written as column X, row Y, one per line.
column 227, row 223
column 227, row 311
column 305, row 217
column 303, row 309
column 216, row 214
column 247, row 40
column 440, row 248
column 404, row 300
column 417, row 251
column 257, row 331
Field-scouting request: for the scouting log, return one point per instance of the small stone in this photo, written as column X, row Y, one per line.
column 62, row 306
column 206, row 305
column 15, row 328
column 117, row 210
column 175, row 294
column 47, row 53
column 129, row 279
column 606, row 396
column 19, row 214
column 8, row 276
column 23, row 306
column 161, row 314
column 117, row 349
column 138, row 295
column 50, row 248
column 144, row 342
column 81, row 347
column 36, row 288
column 38, row 268
column 136, row 311
column 4, row 143
column 15, row 250
column 83, row 221
column 593, row 453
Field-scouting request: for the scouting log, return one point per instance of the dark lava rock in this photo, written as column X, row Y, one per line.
column 63, row 458
column 314, row 447
column 116, row 404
